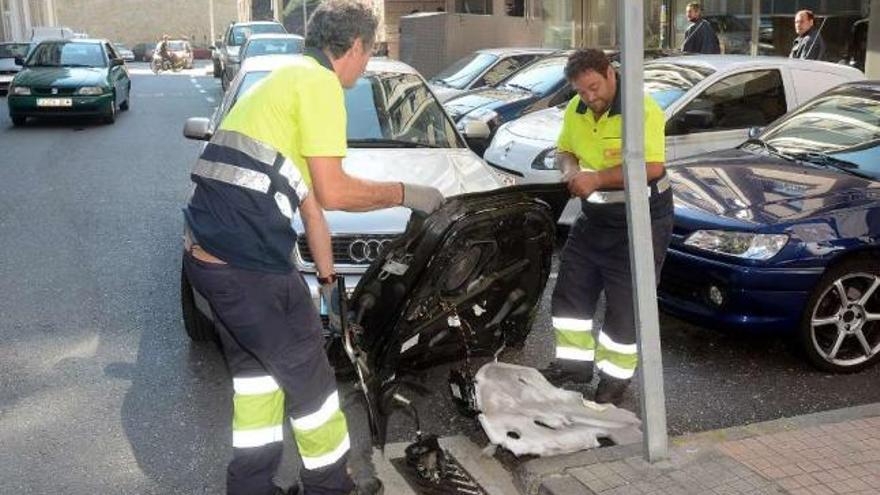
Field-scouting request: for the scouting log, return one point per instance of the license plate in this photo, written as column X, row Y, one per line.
column 54, row 102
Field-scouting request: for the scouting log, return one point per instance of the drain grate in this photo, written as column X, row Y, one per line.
column 455, row 480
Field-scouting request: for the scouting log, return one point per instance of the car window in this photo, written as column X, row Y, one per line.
column 502, row 70
column 239, row 34
column 177, row 46
column 667, row 83
column 462, row 72
column 288, row 46
column 539, row 77
column 810, row 83
column 740, row 101
column 12, row 50
column 387, row 106
column 67, row 55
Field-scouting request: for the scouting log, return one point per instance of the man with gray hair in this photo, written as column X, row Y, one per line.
column 279, row 150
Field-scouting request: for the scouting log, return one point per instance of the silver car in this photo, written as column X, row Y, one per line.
column 711, row 102
column 398, row 131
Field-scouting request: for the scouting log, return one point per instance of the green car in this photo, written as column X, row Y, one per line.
column 70, row 78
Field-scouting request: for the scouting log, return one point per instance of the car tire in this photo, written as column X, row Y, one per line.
column 198, row 327
column 18, row 120
column 110, row 117
column 844, row 336
column 126, row 105
column 217, row 69
column 223, row 84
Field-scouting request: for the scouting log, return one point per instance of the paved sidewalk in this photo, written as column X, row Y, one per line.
column 834, row 452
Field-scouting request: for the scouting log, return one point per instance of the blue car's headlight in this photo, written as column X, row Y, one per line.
column 90, row 90
column 546, row 160
column 744, row 245
column 21, row 90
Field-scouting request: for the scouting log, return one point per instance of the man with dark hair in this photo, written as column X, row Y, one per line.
column 596, row 254
column 809, row 44
column 280, row 150
column 699, row 37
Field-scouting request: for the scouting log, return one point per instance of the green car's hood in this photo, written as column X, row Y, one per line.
column 62, row 77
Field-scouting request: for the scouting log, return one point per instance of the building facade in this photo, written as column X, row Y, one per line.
column 17, row 17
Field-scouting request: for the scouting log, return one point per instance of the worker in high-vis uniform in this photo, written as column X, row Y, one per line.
column 596, row 254
column 280, row 150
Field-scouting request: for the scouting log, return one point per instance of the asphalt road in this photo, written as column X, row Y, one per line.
column 100, row 390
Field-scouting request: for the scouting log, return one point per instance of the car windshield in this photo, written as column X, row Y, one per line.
column 842, row 126
column 240, row 34
column 12, row 50
column 67, row 55
column 285, row 46
column 459, row 74
column 666, row 83
column 540, row 76
column 388, row 110
column 177, row 46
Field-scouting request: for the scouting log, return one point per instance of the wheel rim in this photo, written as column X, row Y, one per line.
column 845, row 322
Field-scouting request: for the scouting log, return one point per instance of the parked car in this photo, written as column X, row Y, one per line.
column 140, row 51
column 782, row 232
column 182, row 50
column 272, row 44
column 483, row 68
column 124, row 52
column 8, row 65
column 710, row 102
column 234, row 38
column 397, row 130
column 70, row 77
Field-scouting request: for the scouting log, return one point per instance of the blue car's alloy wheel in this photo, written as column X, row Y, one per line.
column 841, row 330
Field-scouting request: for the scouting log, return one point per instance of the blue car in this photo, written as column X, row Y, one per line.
column 478, row 113
column 783, row 232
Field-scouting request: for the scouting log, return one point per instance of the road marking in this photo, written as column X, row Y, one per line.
column 210, row 99
column 202, row 91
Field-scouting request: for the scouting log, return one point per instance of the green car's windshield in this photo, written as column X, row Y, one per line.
column 666, row 82
column 12, row 50
column 240, row 34
column 843, row 127
column 462, row 72
column 279, row 46
column 387, row 110
column 67, row 54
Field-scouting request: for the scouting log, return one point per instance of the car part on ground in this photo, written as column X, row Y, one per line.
column 523, row 412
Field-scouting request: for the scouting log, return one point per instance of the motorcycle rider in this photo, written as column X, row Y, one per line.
column 164, row 52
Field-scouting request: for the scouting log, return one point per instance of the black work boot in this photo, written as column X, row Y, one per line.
column 559, row 374
column 610, row 390
column 293, row 490
column 372, row 486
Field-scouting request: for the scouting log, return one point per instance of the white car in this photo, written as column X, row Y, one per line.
column 711, row 102
column 397, row 131
column 483, row 68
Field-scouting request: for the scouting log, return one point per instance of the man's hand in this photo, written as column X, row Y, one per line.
column 330, row 298
column 582, row 184
column 425, row 199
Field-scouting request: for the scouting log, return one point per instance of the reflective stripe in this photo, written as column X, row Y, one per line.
column 255, row 385
column 612, row 369
column 283, row 203
column 329, row 458
column 319, row 417
column 574, row 354
column 257, row 437
column 619, row 196
column 572, row 324
column 295, row 179
column 230, row 174
column 606, row 342
column 578, row 340
column 247, row 145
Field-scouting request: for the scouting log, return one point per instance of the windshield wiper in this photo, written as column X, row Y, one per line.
column 441, row 82
column 829, row 161
column 769, row 148
column 76, row 65
column 519, row 86
column 387, row 143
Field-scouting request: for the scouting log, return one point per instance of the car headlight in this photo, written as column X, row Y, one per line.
column 739, row 244
column 546, row 160
column 90, row 90
column 21, row 90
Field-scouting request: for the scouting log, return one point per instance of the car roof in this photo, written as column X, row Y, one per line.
column 74, row 40
column 732, row 62
column 253, row 23
column 516, row 50
column 274, row 36
column 376, row 64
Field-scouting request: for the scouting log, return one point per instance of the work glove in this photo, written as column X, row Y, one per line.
column 330, row 302
column 424, row 199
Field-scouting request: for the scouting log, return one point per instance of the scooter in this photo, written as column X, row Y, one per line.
column 159, row 64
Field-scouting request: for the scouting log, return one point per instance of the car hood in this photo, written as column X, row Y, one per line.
column 62, row 77
column 462, row 282
column 488, row 98
column 452, row 171
column 444, row 93
column 541, row 125
column 740, row 190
